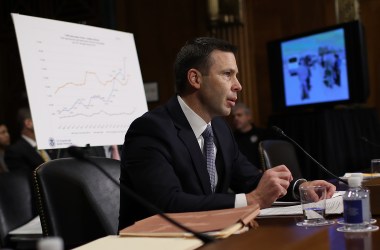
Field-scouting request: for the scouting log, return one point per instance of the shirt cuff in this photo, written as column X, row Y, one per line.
column 240, row 200
column 297, row 183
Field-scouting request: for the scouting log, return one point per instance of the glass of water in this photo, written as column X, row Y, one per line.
column 375, row 168
column 313, row 202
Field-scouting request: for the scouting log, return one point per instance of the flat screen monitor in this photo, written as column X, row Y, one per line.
column 319, row 68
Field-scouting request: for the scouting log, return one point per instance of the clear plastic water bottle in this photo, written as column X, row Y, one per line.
column 357, row 214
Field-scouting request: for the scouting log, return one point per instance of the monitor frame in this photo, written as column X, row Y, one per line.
column 356, row 63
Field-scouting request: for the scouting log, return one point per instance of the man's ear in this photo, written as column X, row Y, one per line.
column 194, row 77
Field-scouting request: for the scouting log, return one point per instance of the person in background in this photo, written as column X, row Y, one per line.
column 247, row 135
column 108, row 151
column 23, row 155
column 182, row 156
column 5, row 141
column 112, row 151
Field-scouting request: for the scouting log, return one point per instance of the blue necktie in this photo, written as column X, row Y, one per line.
column 209, row 153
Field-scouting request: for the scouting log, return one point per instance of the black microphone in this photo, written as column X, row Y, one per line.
column 365, row 139
column 280, row 132
column 78, row 154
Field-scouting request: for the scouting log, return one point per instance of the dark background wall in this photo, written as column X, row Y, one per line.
column 161, row 27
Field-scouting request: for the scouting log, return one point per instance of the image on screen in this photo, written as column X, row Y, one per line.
column 315, row 69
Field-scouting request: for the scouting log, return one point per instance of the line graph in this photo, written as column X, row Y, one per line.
column 84, row 83
column 95, row 75
column 97, row 113
column 97, row 100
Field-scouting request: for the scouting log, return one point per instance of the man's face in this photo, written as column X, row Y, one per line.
column 219, row 88
column 240, row 119
column 4, row 136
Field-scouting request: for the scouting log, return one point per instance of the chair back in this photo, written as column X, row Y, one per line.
column 278, row 152
column 76, row 200
column 15, row 204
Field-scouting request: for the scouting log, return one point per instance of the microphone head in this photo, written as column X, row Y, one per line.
column 364, row 139
column 76, row 152
column 278, row 130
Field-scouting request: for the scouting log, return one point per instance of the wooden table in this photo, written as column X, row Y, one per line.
column 283, row 233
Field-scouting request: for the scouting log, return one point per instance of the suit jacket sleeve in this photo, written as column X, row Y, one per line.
column 22, row 157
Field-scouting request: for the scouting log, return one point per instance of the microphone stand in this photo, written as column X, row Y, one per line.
column 280, row 132
column 74, row 152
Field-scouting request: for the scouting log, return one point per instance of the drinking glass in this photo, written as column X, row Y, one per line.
column 313, row 202
column 375, row 168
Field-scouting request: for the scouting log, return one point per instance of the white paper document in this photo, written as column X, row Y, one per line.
column 334, row 205
column 285, row 203
column 33, row 227
column 115, row 243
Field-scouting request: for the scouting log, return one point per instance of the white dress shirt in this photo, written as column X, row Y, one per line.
column 198, row 125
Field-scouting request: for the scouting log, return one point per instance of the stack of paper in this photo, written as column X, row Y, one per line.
column 141, row 243
column 334, row 205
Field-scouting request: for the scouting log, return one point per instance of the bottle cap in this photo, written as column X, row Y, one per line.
column 360, row 175
column 355, row 181
column 50, row 243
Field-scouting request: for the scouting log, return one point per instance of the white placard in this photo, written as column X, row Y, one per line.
column 84, row 83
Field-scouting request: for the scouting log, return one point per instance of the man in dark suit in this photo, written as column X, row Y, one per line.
column 5, row 141
column 247, row 134
column 162, row 157
column 23, row 156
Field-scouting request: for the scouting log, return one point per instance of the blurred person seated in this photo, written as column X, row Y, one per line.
column 23, row 155
column 247, row 135
column 112, row 151
column 5, row 141
column 108, row 151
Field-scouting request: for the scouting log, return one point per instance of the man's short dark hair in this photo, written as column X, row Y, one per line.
column 196, row 54
column 23, row 114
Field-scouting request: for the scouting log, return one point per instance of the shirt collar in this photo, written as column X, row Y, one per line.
column 197, row 124
column 32, row 142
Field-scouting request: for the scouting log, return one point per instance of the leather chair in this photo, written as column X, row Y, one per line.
column 277, row 152
column 15, row 205
column 76, row 200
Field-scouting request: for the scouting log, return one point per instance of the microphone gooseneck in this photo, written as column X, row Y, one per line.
column 365, row 139
column 79, row 155
column 280, row 132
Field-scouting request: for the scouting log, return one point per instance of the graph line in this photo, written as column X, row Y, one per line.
column 99, row 112
column 81, row 101
column 87, row 74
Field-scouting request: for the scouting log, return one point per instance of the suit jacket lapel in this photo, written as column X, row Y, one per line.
column 31, row 152
column 186, row 135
